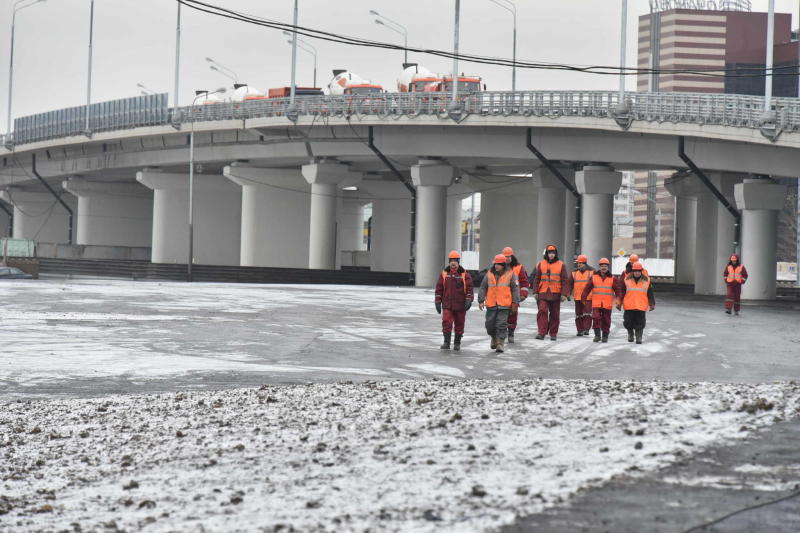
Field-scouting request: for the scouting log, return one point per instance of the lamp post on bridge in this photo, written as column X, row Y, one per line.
column 221, row 90
column 509, row 6
column 291, row 112
column 396, row 27
column 11, row 56
column 89, row 76
column 222, row 69
column 145, row 90
column 308, row 48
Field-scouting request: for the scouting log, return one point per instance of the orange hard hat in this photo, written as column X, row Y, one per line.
column 633, row 258
column 500, row 259
column 734, row 257
column 454, row 255
column 582, row 259
column 508, row 251
column 551, row 247
column 603, row 261
column 637, row 266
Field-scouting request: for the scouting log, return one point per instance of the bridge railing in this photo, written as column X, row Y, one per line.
column 740, row 111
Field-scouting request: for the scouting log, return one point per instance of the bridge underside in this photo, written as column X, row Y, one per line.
column 269, row 195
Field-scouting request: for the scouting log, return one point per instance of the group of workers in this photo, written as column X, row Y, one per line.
column 595, row 292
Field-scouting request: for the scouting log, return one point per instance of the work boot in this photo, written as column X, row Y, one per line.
column 552, row 337
column 639, row 336
column 596, row 335
column 494, row 343
column 605, row 337
column 586, row 333
column 457, row 343
column 580, row 333
column 727, row 311
column 511, row 336
column 540, row 337
column 736, row 313
column 499, row 348
column 446, row 344
column 630, row 335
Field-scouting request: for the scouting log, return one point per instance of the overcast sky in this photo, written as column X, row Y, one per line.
column 134, row 42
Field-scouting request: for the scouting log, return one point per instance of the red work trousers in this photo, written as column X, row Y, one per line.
column 734, row 297
column 583, row 315
column 512, row 321
column 602, row 319
column 549, row 316
column 451, row 318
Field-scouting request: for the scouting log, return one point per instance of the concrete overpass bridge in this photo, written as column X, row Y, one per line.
column 283, row 186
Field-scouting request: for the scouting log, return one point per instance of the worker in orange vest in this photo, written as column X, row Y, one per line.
column 551, row 283
column 583, row 308
column 499, row 295
column 735, row 275
column 633, row 258
column 524, row 283
column 635, row 293
column 453, row 298
column 601, row 286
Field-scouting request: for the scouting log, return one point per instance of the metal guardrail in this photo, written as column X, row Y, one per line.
column 731, row 110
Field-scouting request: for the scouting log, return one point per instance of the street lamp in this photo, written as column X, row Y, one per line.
column 509, row 6
column 199, row 94
column 395, row 27
column 291, row 112
column 308, row 48
column 11, row 57
column 145, row 90
column 89, row 77
column 454, row 110
column 222, row 69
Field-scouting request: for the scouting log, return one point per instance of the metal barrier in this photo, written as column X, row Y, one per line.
column 740, row 111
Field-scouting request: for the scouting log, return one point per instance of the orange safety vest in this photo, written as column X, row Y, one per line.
column 636, row 294
column 579, row 280
column 463, row 279
column 603, row 291
column 551, row 276
column 734, row 274
column 499, row 292
column 517, row 269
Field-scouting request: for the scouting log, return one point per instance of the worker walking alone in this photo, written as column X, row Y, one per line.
column 735, row 276
column 551, row 283
column 635, row 293
column 454, row 296
column 583, row 308
column 524, row 284
column 499, row 295
column 601, row 286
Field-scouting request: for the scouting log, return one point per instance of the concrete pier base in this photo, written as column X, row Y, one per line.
column 40, row 217
column 597, row 185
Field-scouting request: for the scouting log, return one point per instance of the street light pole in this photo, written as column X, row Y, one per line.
column 395, row 27
column 454, row 104
column 308, row 48
column 623, row 39
column 11, row 57
column 770, row 45
column 190, row 259
column 294, row 63
column 177, row 55
column 509, row 6
column 89, row 78
column 219, row 67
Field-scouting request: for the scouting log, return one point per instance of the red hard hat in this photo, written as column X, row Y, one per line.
column 637, row 266
column 454, row 255
column 500, row 259
column 734, row 257
column 582, row 259
column 603, row 261
column 508, row 251
column 633, row 258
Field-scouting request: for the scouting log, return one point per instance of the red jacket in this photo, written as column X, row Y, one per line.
column 522, row 278
column 453, row 289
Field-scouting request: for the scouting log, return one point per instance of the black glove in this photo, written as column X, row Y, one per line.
column 438, row 308
column 467, row 305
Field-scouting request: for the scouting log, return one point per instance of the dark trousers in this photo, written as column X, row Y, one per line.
column 602, row 319
column 734, row 297
column 583, row 315
column 634, row 320
column 451, row 318
column 549, row 316
column 497, row 321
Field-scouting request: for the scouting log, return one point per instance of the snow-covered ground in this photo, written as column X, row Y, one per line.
column 459, row 456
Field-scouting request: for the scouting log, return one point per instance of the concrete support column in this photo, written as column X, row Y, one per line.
column 567, row 253
column 431, row 177
column 726, row 231
column 391, row 225
column 5, row 221
column 325, row 177
column 706, row 245
column 522, row 200
column 40, row 217
column 685, row 232
column 760, row 201
column 217, row 218
column 551, row 210
column 112, row 213
column 598, row 185
column 275, row 214
column 351, row 224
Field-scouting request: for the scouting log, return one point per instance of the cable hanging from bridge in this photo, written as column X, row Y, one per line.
column 606, row 70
